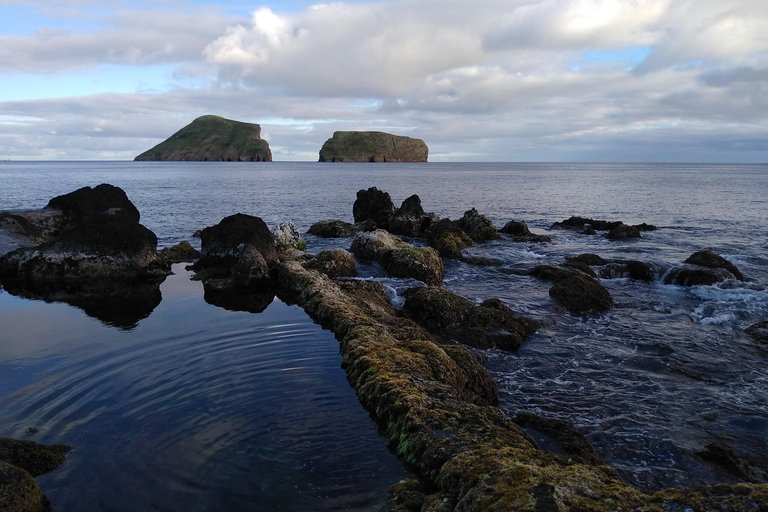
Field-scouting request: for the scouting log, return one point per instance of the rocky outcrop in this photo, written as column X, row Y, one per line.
column 709, row 259
column 372, row 147
column 448, row 239
column 451, row 317
column 238, row 252
column 411, row 219
column 373, row 205
column 478, row 227
column 622, row 232
column 99, row 237
column 214, row 139
column 590, row 226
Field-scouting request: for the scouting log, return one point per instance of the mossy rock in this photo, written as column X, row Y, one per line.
column 448, row 239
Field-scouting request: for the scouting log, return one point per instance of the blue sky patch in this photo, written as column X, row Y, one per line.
column 625, row 59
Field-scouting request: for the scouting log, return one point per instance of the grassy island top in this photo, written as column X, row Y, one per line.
column 213, row 138
column 372, row 146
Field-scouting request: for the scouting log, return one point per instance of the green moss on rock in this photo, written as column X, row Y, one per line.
column 359, row 146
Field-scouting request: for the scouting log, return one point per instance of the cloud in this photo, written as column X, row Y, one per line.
column 496, row 80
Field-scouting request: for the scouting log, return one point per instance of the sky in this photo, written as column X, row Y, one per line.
column 481, row 80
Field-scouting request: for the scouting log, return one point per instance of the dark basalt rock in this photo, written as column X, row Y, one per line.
column 373, row 204
column 578, row 293
column 759, row 331
column 451, row 317
column 88, row 201
column 587, row 259
column 519, row 230
column 181, row 252
column 711, row 260
column 581, row 295
column 568, row 438
column 692, row 276
column 410, row 219
column 239, row 250
column 333, row 263
column 623, row 231
column 29, row 228
column 478, row 227
column 448, row 239
column 332, row 228
column 590, row 226
column 106, row 245
column 641, row 271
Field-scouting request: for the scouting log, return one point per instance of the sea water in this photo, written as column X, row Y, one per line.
column 200, row 408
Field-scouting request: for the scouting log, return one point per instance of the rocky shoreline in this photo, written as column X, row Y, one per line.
column 431, row 396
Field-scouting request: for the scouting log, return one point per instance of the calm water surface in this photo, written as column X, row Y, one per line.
column 199, row 408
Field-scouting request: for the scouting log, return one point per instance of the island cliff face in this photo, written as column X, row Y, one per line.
column 213, row 138
column 372, row 147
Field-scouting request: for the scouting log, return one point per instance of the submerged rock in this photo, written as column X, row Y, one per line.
column 448, row 239
column 711, row 260
column 590, row 226
column 373, row 204
column 478, row 227
column 759, row 331
column 568, row 438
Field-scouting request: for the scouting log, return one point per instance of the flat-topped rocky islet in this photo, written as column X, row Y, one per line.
column 359, row 146
column 212, row 138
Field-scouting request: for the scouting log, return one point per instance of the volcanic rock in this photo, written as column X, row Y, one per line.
column 333, row 263
column 711, row 260
column 422, row 263
column 448, row 239
column 410, row 219
column 478, row 227
column 373, row 204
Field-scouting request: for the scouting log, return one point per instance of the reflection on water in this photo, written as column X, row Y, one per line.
column 196, row 408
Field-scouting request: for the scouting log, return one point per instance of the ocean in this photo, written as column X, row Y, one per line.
column 196, row 407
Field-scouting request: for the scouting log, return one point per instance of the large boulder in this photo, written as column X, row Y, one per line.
column 369, row 245
column 421, row 263
column 710, row 259
column 332, row 228
column 448, row 239
column 373, row 204
column 451, row 317
column 333, row 263
column 240, row 250
column 479, row 227
column 411, row 219
column 696, row 276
